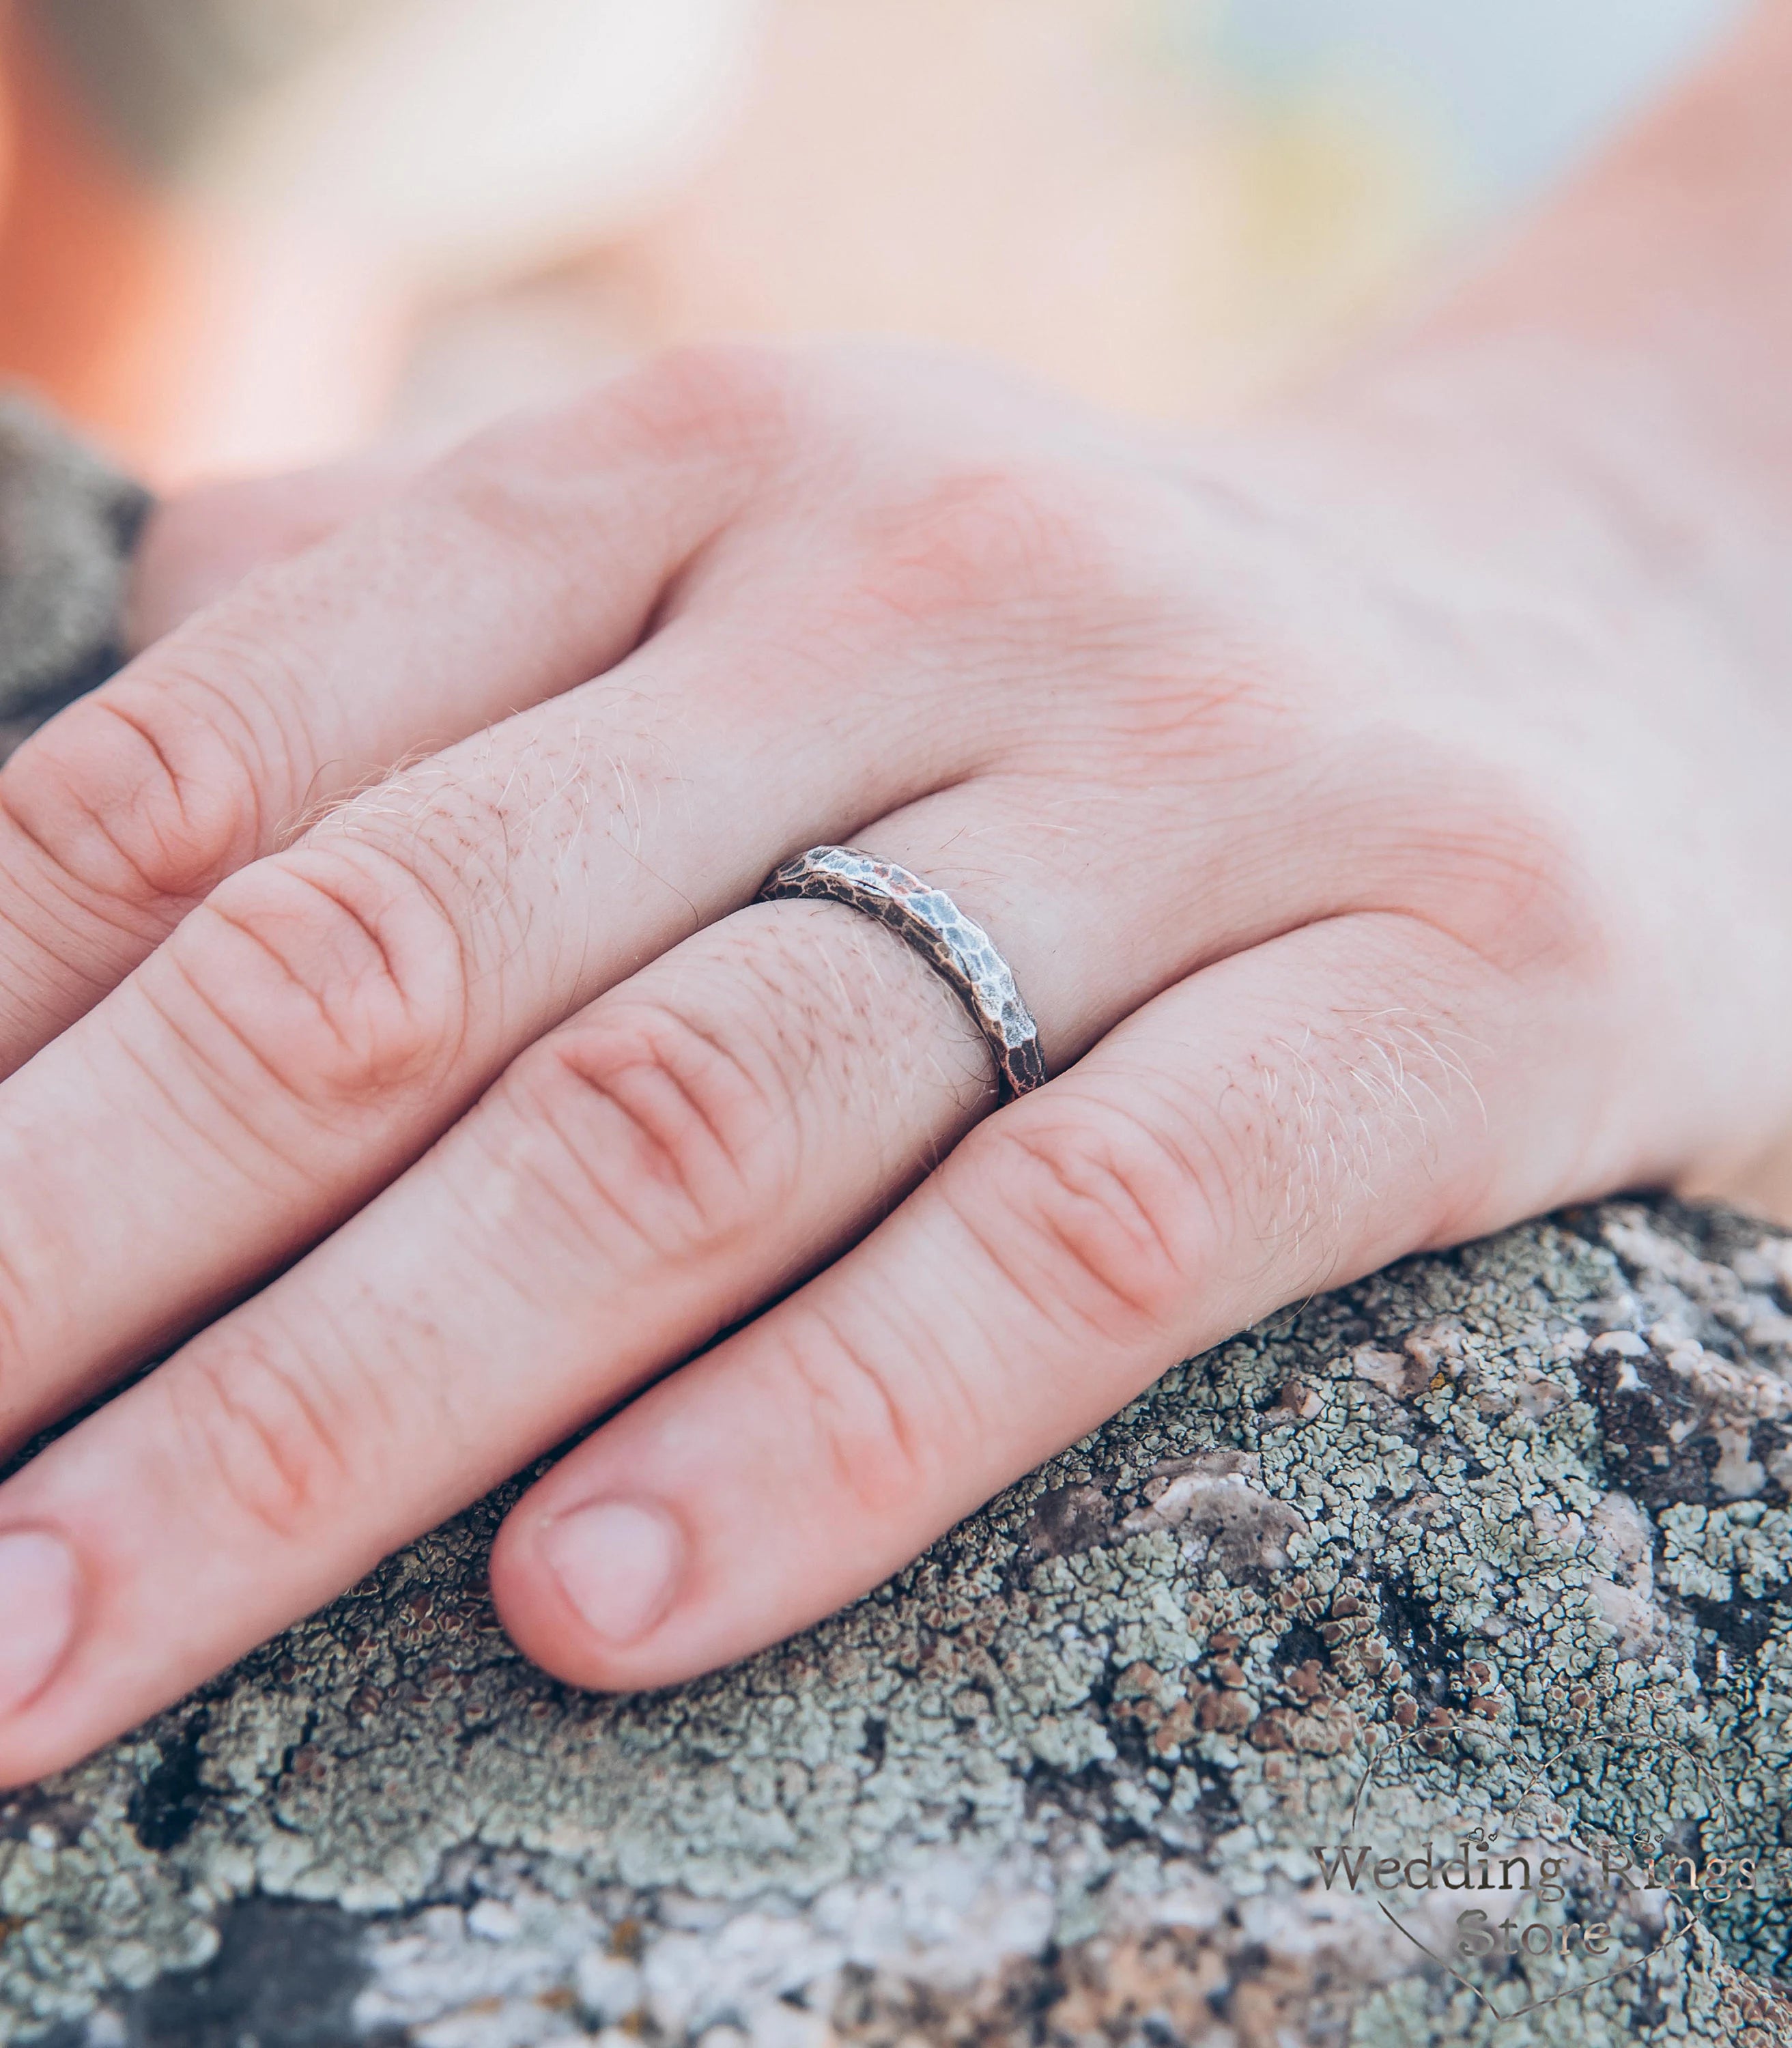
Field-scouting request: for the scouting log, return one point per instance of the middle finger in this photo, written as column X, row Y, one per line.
column 327, row 1010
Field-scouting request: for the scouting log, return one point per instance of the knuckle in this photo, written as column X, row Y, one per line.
column 272, row 1440
column 659, row 1128
column 866, row 1422
column 1087, row 1209
column 732, row 401
column 1024, row 535
column 137, row 794
column 681, row 445
column 737, row 397
column 1511, row 876
column 340, row 978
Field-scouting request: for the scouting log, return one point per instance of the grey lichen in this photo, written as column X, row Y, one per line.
column 67, row 523
column 1512, row 1520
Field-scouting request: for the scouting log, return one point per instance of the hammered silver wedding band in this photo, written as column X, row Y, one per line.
column 959, row 951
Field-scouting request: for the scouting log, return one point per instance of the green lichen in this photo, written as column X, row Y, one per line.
column 1476, row 1515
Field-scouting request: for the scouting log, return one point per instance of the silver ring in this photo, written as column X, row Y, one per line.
column 959, row 951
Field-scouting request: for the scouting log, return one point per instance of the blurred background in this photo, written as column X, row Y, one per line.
column 237, row 234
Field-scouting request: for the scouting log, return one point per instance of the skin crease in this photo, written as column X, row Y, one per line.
column 1381, row 809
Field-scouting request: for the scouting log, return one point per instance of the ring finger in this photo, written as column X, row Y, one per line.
column 691, row 1143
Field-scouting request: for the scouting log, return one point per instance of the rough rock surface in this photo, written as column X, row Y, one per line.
column 1512, row 1521
column 67, row 523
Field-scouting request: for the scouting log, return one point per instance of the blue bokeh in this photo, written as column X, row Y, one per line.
column 1519, row 88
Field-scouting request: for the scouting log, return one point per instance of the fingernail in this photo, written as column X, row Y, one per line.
column 618, row 1562
column 37, row 1580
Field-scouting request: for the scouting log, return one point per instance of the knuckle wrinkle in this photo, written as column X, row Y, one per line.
column 872, row 1447
column 136, row 798
column 271, row 1442
column 344, row 980
column 667, row 1125
column 1092, row 1212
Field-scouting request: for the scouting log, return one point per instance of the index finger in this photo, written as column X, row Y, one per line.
column 528, row 562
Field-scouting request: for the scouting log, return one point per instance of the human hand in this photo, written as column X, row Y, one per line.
column 1351, row 811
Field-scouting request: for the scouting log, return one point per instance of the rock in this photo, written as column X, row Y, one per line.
column 1063, row 1781
column 67, row 524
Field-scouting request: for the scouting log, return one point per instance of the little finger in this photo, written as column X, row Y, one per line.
column 1287, row 1119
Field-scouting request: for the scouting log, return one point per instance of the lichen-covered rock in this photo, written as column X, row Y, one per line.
column 1498, row 1538
column 66, row 525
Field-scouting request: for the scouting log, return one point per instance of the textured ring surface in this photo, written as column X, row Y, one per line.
column 959, row 951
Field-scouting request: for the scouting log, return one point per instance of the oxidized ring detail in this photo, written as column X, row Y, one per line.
column 959, row 951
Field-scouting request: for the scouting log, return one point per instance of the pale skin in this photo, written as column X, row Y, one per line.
column 1384, row 810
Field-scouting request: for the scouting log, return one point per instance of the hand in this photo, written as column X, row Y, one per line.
column 1351, row 809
